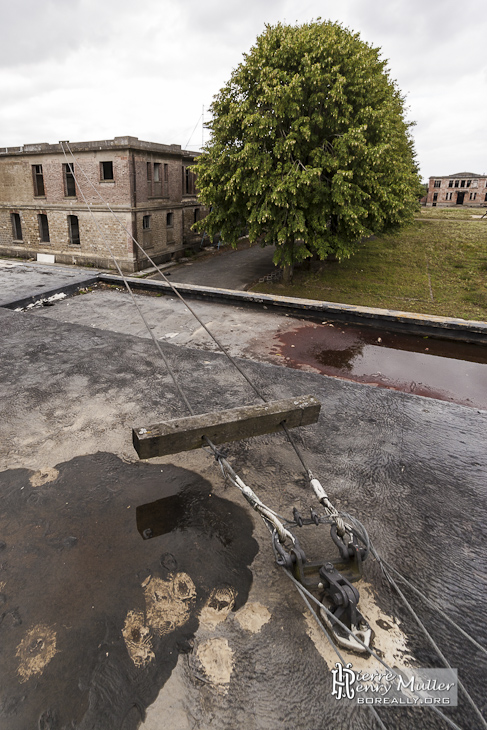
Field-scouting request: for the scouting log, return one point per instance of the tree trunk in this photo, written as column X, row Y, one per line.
column 288, row 268
column 287, row 273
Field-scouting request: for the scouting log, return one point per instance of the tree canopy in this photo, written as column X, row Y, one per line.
column 309, row 147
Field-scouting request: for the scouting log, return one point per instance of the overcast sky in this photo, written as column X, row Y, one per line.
column 96, row 69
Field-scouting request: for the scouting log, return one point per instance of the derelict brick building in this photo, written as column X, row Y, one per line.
column 463, row 188
column 148, row 186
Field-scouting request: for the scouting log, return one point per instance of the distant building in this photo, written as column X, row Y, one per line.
column 149, row 186
column 463, row 188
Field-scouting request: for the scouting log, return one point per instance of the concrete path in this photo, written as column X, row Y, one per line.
column 226, row 269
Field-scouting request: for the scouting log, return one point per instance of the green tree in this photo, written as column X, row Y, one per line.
column 309, row 146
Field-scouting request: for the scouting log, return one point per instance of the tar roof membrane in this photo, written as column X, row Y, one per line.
column 411, row 469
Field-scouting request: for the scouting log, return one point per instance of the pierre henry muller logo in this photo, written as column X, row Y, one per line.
column 411, row 686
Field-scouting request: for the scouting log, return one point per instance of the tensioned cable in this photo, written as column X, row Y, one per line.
column 427, row 634
column 268, row 514
column 194, row 130
column 188, row 405
column 219, row 344
column 156, row 342
column 320, row 624
column 301, row 588
column 432, row 605
column 330, row 641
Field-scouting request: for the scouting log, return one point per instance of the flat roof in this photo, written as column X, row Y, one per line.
column 457, row 174
column 106, row 144
column 146, row 594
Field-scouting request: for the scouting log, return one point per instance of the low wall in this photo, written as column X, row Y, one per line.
column 390, row 319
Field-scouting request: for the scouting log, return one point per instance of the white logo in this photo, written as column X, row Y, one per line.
column 343, row 680
column 412, row 686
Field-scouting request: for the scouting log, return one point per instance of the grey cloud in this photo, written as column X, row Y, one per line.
column 39, row 30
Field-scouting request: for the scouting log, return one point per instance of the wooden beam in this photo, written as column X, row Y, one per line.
column 184, row 434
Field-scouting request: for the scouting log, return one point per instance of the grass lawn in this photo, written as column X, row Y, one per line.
column 438, row 265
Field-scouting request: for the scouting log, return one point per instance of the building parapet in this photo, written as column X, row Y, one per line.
column 105, row 144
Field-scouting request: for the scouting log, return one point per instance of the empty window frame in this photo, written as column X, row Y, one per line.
column 69, row 181
column 146, row 222
column 16, row 227
column 196, row 215
column 43, row 228
column 435, row 197
column 156, row 191
column 473, row 196
column 73, row 230
column 170, row 220
column 437, row 184
column 456, row 183
column 189, row 179
column 450, row 183
column 165, row 191
column 149, row 172
column 486, row 197
column 448, row 196
column 106, row 170
column 38, row 180
column 469, row 182
column 462, row 184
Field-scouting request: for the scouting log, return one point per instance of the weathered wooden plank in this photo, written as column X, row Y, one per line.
column 184, row 434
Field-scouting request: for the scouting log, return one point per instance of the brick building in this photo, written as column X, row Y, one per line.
column 463, row 188
column 148, row 186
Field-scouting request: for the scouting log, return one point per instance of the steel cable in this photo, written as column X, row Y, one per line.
column 269, row 515
column 219, row 344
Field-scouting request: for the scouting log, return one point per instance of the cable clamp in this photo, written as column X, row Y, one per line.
column 318, row 490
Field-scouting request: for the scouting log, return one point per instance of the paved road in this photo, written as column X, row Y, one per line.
column 226, row 269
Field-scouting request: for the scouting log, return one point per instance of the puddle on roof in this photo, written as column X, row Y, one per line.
column 442, row 369
column 93, row 613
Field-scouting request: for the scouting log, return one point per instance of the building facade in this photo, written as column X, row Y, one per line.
column 463, row 188
column 46, row 196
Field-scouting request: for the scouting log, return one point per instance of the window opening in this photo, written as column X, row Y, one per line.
column 146, row 222
column 166, row 180
column 106, row 170
column 69, row 181
column 188, row 181
column 43, row 228
column 437, row 184
column 16, row 227
column 157, row 171
column 170, row 220
column 73, row 228
column 38, row 178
